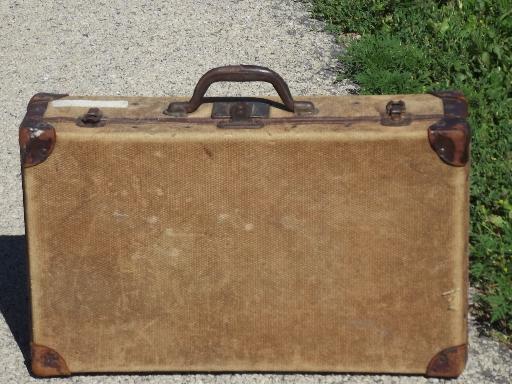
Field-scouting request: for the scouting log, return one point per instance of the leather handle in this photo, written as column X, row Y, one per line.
column 240, row 73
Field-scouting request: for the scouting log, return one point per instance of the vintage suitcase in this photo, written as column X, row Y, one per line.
column 324, row 234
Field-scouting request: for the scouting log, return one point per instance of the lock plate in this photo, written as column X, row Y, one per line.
column 253, row 109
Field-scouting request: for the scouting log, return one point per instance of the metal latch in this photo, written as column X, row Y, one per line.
column 93, row 118
column 396, row 114
column 242, row 114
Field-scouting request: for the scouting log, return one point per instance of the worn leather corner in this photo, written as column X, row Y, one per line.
column 36, row 137
column 47, row 362
column 451, row 136
column 454, row 103
column 39, row 103
column 45, row 97
column 450, row 139
column 37, row 141
column 449, row 363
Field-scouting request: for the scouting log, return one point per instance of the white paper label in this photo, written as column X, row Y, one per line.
column 90, row 103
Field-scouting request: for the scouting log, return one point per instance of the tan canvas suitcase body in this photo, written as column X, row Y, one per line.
column 318, row 234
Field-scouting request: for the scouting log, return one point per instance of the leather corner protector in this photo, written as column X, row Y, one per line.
column 37, row 140
column 450, row 137
column 454, row 103
column 448, row 363
column 36, row 137
column 46, row 362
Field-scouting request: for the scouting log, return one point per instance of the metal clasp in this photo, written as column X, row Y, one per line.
column 242, row 114
column 93, row 118
column 396, row 114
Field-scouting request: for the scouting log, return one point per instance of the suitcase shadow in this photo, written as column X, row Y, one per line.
column 14, row 294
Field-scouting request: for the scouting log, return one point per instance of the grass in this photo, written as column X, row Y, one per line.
column 414, row 47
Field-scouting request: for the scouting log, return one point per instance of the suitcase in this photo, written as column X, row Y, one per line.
column 316, row 234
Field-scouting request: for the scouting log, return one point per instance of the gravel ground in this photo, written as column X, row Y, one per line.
column 156, row 48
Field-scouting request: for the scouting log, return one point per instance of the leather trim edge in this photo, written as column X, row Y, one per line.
column 47, row 362
column 450, row 137
column 36, row 137
column 454, row 103
column 449, row 363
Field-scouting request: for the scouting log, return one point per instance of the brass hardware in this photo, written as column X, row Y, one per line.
column 93, row 118
column 396, row 114
column 222, row 109
column 241, row 116
column 304, row 108
column 395, row 110
column 177, row 109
